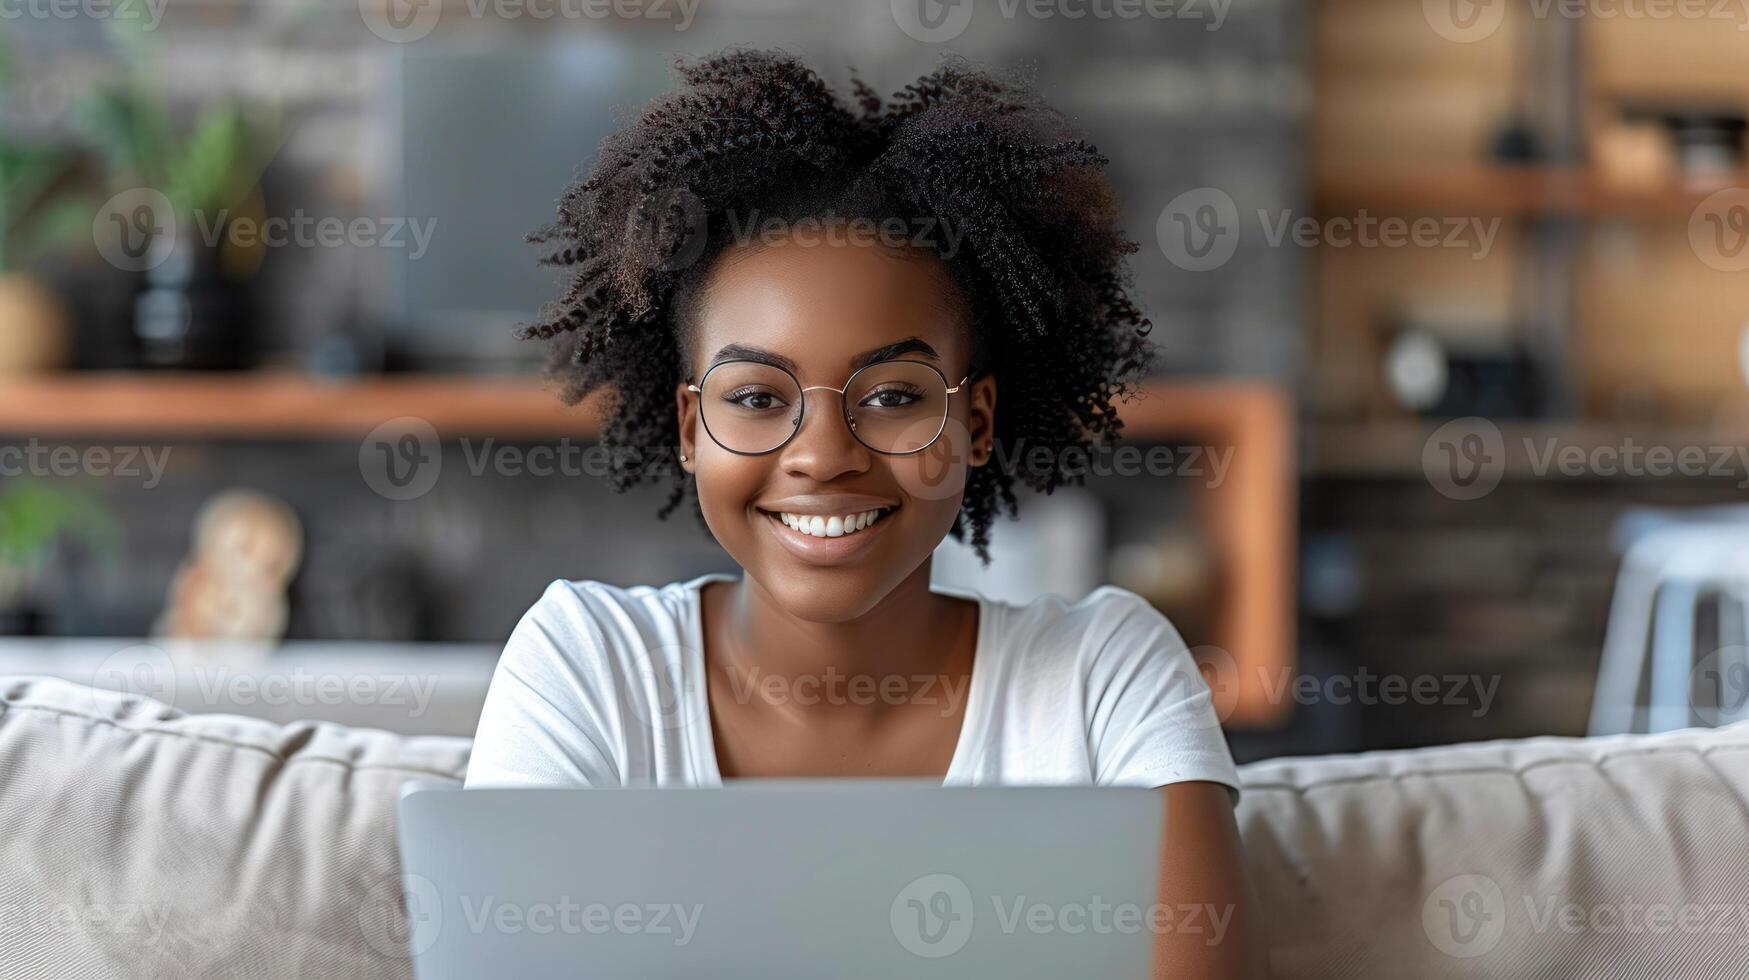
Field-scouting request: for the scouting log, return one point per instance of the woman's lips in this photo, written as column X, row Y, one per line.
column 827, row 551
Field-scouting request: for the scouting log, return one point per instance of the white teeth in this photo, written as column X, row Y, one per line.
column 835, row 526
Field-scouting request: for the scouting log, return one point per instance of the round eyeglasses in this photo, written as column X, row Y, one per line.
column 895, row 408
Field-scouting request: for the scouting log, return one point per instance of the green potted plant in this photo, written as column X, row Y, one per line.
column 35, row 519
column 35, row 215
column 191, row 308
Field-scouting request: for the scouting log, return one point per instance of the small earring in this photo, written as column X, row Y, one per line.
column 683, row 457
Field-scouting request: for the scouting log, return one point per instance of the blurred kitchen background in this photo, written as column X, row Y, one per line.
column 1428, row 276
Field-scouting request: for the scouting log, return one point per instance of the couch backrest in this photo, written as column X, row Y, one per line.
column 140, row 842
column 1548, row 857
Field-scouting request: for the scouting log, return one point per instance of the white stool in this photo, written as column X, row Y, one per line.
column 1666, row 575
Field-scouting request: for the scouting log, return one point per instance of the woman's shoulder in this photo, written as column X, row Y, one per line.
column 668, row 601
column 591, row 618
column 1107, row 612
column 1110, row 631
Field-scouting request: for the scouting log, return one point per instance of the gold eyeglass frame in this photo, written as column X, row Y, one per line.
column 843, row 402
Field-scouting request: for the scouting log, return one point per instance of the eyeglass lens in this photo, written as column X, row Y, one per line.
column 894, row 406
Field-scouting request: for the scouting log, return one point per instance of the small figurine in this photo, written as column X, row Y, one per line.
column 247, row 546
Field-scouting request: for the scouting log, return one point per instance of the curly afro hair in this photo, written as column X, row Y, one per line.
column 1039, row 262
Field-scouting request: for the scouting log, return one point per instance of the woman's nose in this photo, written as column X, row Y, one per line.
column 825, row 446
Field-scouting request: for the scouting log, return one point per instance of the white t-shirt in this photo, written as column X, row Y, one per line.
column 603, row 685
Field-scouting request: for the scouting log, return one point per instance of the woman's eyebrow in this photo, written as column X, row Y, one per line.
column 910, row 345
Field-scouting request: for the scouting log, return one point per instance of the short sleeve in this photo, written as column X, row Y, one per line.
column 538, row 726
column 1151, row 716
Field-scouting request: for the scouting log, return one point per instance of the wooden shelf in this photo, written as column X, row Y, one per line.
column 1250, row 515
column 1504, row 190
column 287, row 405
column 1393, row 450
column 275, row 405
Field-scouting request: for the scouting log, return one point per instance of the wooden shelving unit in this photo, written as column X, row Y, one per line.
column 1394, row 450
column 1251, row 515
column 279, row 405
column 1505, row 190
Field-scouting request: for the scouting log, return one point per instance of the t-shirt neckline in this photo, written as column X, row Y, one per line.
column 702, row 745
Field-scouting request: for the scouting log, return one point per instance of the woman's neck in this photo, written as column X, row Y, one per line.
column 911, row 633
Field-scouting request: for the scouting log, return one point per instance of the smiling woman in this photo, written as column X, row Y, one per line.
column 834, row 390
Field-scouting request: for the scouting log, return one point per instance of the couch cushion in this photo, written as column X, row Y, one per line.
column 1624, row 856
column 140, row 842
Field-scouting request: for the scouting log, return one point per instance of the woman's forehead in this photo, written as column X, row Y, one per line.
column 822, row 304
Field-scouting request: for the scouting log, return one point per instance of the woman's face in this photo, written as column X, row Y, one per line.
column 817, row 307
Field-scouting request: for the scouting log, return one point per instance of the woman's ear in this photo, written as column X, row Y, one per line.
column 686, row 412
column 982, row 423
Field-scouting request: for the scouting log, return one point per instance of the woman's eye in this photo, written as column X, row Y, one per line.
column 889, row 398
column 758, row 401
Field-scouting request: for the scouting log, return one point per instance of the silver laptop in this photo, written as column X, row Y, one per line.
column 859, row 878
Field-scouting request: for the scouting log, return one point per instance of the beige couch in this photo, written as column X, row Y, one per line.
column 139, row 842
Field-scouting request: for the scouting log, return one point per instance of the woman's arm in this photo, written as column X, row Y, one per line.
column 1205, row 889
column 542, row 724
